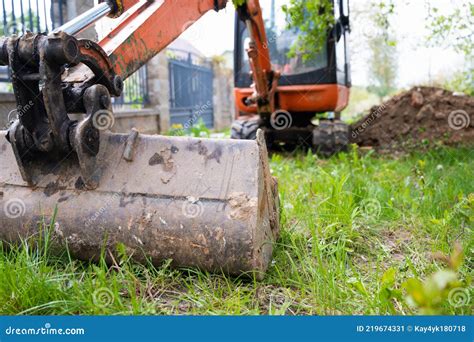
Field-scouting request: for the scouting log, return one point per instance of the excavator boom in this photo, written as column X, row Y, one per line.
column 137, row 38
column 147, row 28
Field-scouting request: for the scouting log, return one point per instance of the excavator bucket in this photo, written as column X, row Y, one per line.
column 206, row 203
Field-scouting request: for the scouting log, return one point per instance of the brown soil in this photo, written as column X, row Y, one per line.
column 420, row 116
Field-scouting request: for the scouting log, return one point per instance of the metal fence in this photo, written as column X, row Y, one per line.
column 191, row 89
column 135, row 91
column 19, row 16
column 31, row 15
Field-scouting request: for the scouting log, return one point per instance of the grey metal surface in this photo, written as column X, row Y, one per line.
column 201, row 202
column 86, row 19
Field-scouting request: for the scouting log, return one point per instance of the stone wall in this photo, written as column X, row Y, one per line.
column 159, row 92
column 146, row 121
column 159, row 89
column 224, row 101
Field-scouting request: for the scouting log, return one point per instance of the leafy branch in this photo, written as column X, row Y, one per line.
column 454, row 29
column 313, row 19
column 238, row 3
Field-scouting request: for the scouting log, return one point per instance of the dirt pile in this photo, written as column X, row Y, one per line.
column 421, row 115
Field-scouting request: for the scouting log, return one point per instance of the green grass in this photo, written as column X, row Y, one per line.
column 360, row 235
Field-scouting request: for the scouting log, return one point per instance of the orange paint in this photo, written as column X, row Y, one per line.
column 301, row 98
column 148, row 28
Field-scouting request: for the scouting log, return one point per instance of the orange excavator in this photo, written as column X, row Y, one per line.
column 283, row 96
column 204, row 203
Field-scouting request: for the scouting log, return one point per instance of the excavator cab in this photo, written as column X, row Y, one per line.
column 306, row 88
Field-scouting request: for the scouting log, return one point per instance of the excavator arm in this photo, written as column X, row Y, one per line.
column 209, row 203
column 265, row 80
column 144, row 29
column 80, row 75
column 143, row 33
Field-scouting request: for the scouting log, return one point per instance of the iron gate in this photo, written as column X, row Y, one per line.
column 19, row 16
column 191, row 90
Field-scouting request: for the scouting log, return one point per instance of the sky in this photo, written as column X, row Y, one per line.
column 213, row 35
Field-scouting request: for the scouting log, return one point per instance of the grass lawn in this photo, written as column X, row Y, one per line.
column 364, row 234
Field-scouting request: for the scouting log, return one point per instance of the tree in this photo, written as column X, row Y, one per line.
column 313, row 19
column 382, row 44
column 382, row 67
column 454, row 30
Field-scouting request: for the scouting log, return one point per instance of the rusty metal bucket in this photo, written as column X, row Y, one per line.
column 203, row 203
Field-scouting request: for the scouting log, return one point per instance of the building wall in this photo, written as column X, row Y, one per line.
column 224, row 101
column 159, row 89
